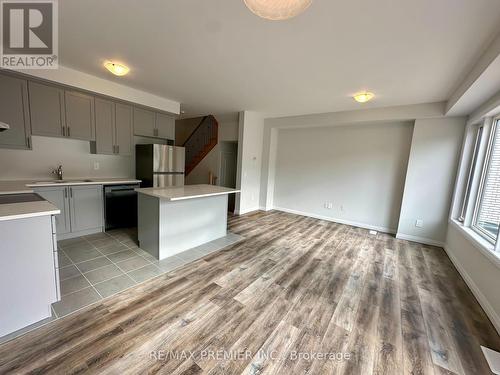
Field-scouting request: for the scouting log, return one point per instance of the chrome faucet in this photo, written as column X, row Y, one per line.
column 58, row 172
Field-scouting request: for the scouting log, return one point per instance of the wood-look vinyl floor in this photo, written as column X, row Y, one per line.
column 297, row 296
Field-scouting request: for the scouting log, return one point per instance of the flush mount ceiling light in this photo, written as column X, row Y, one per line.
column 363, row 97
column 277, row 10
column 116, row 68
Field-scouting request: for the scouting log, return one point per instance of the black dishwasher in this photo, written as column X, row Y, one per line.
column 120, row 206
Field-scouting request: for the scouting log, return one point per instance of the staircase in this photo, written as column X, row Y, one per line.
column 201, row 141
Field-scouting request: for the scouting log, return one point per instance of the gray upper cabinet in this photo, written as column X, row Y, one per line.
column 144, row 122
column 105, row 126
column 86, row 207
column 47, row 110
column 123, row 129
column 165, row 125
column 113, row 128
column 58, row 196
column 79, row 115
column 14, row 112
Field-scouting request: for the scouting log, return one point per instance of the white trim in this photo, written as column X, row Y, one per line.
column 337, row 220
column 247, row 211
column 478, row 242
column 422, row 240
column 480, row 297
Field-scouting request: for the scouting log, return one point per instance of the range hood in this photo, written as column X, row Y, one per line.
column 3, row 126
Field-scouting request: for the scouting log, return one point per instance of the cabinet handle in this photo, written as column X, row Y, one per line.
column 28, row 141
column 69, row 131
column 64, row 131
column 71, row 192
column 117, row 149
column 65, row 194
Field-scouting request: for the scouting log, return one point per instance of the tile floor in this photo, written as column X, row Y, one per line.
column 100, row 265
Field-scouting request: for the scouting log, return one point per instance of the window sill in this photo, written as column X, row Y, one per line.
column 485, row 247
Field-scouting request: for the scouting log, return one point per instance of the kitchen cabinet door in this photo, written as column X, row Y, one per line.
column 105, row 126
column 47, row 110
column 79, row 116
column 86, row 207
column 144, row 122
column 165, row 126
column 15, row 113
column 58, row 196
column 123, row 129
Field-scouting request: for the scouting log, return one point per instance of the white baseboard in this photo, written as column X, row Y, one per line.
column 483, row 301
column 336, row 220
column 423, row 240
column 248, row 210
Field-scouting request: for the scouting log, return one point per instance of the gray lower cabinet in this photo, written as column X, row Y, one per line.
column 14, row 111
column 113, row 128
column 58, row 196
column 47, row 110
column 86, row 208
column 144, row 122
column 165, row 126
column 29, row 276
column 81, row 208
column 79, row 115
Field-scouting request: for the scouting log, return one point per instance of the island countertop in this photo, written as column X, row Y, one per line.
column 177, row 193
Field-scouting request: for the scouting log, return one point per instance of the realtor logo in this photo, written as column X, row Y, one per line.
column 29, row 34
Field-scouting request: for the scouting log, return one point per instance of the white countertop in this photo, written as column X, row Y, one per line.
column 14, row 187
column 25, row 210
column 84, row 181
column 178, row 193
column 26, row 186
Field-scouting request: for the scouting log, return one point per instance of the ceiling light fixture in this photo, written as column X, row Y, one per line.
column 364, row 96
column 116, row 68
column 277, row 10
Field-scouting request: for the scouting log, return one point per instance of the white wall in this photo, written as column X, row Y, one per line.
column 359, row 168
column 74, row 155
column 430, row 178
column 481, row 274
column 250, row 141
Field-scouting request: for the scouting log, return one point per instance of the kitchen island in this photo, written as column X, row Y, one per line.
column 174, row 219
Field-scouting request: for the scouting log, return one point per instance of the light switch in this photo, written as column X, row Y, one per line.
column 419, row 223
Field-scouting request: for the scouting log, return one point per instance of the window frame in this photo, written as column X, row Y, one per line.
column 471, row 168
column 485, row 162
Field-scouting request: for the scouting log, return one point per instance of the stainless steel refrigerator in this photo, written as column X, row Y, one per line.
column 159, row 165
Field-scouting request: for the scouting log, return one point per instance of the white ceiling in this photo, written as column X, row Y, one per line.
column 215, row 56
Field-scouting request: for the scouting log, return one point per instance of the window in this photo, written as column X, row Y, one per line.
column 479, row 209
column 486, row 219
column 472, row 169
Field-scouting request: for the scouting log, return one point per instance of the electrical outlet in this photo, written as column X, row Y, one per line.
column 96, row 166
column 419, row 223
column 330, row 205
